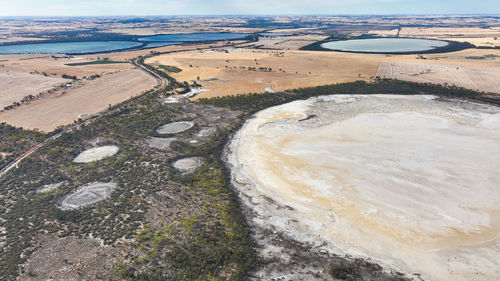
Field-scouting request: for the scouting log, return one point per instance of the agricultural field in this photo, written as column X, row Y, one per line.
column 239, row 71
column 480, row 37
column 57, row 66
column 16, row 85
column 486, row 79
column 48, row 113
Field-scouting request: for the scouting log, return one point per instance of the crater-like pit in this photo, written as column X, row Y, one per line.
column 188, row 165
column 87, row 195
column 96, row 154
column 173, row 128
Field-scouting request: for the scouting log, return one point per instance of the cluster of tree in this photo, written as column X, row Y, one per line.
column 66, row 76
column 255, row 102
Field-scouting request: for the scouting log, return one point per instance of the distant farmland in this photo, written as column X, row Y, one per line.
column 485, row 79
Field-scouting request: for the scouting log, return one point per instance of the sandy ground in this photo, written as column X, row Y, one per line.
column 48, row 113
column 359, row 179
column 224, row 73
column 14, row 85
column 485, row 79
column 96, row 153
column 485, row 37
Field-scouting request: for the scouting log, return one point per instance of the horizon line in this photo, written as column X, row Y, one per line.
column 244, row 15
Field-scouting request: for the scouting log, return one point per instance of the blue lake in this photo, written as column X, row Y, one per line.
column 105, row 46
column 193, row 37
column 385, row 45
column 68, row 47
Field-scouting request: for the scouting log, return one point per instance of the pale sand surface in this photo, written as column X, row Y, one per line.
column 47, row 114
column 410, row 181
column 96, row 153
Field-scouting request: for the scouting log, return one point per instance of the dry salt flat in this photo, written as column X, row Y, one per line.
column 96, row 154
column 188, row 165
column 87, row 195
column 49, row 187
column 176, row 127
column 409, row 181
column 160, row 143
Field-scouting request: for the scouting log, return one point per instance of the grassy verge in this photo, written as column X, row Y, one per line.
column 95, row 62
column 170, row 68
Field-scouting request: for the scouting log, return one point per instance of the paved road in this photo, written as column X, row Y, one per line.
column 30, row 151
column 162, row 82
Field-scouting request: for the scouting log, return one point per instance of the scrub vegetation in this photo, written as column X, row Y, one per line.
column 14, row 141
column 167, row 225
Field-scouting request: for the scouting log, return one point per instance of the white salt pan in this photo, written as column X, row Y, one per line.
column 97, row 153
column 409, row 181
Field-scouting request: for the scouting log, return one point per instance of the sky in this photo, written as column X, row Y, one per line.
column 243, row 7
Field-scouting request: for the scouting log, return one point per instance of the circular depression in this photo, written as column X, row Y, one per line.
column 385, row 45
column 96, row 154
column 87, row 195
column 187, row 165
column 410, row 181
column 173, row 128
